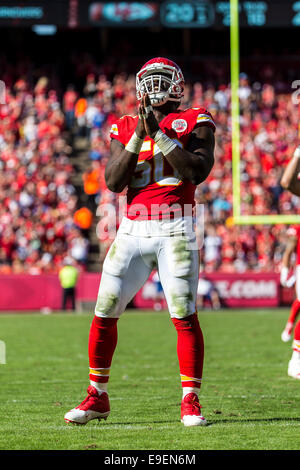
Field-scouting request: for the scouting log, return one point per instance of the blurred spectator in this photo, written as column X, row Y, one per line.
column 80, row 109
column 207, row 294
column 212, row 248
column 69, row 100
column 68, row 277
column 83, row 218
column 92, row 184
column 90, row 87
column 159, row 292
column 78, row 247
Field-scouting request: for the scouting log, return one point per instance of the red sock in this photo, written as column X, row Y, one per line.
column 297, row 332
column 102, row 344
column 190, row 350
column 294, row 311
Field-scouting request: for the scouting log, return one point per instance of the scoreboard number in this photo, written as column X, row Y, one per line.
column 296, row 18
column 190, row 14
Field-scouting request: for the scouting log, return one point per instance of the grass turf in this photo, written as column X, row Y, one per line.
column 248, row 400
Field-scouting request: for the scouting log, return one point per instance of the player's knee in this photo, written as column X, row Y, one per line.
column 183, row 264
column 181, row 298
column 109, row 296
column 106, row 305
column 182, row 304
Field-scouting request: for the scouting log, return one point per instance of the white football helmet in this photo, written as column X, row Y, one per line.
column 162, row 79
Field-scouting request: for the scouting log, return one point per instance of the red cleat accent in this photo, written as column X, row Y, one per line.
column 191, row 411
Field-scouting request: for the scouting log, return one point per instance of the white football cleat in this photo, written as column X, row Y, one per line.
column 294, row 366
column 287, row 332
column 191, row 411
column 94, row 406
column 285, row 336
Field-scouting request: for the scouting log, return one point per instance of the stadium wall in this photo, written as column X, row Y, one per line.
column 21, row 292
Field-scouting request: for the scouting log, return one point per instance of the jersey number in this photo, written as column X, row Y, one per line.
column 143, row 173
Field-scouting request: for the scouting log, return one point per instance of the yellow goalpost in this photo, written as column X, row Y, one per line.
column 238, row 218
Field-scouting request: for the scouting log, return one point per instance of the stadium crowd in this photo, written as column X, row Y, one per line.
column 38, row 200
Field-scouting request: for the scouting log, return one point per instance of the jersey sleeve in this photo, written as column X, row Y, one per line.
column 205, row 118
column 117, row 131
column 199, row 117
column 122, row 129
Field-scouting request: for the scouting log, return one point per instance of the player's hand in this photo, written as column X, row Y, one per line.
column 150, row 121
column 140, row 128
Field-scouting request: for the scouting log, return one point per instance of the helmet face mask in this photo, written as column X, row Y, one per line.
column 162, row 79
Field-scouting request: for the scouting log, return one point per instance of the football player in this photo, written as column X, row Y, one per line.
column 160, row 155
column 293, row 246
column 290, row 181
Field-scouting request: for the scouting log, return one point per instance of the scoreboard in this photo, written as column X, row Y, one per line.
column 204, row 14
column 168, row 13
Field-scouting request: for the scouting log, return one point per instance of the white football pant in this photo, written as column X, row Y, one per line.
column 141, row 246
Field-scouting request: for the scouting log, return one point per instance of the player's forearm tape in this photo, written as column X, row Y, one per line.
column 164, row 142
column 135, row 144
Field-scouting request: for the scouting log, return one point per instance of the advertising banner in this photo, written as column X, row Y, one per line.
column 28, row 292
column 234, row 289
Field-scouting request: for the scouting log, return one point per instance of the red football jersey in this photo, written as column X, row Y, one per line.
column 294, row 231
column 156, row 190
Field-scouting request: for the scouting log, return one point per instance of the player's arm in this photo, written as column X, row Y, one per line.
column 199, row 155
column 193, row 163
column 289, row 178
column 123, row 160
column 286, row 259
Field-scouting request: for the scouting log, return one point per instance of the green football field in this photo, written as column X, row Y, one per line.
column 248, row 399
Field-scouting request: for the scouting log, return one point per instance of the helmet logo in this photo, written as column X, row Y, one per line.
column 179, row 125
